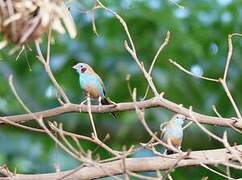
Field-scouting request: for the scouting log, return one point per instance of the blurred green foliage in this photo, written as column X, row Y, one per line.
column 198, row 42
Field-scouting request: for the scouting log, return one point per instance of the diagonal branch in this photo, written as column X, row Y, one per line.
column 190, row 73
column 230, row 53
column 46, row 63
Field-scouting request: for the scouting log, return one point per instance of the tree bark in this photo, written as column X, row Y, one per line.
column 213, row 157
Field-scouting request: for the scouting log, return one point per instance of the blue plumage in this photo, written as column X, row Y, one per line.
column 91, row 80
column 174, row 131
column 91, row 83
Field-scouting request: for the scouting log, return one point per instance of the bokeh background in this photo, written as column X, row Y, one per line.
column 198, row 41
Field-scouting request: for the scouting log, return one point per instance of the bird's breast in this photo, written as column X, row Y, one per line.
column 175, row 134
column 91, row 85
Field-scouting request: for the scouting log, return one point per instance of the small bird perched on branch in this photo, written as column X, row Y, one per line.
column 92, row 84
column 172, row 132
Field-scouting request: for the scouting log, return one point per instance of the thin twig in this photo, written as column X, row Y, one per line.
column 226, row 69
column 187, row 125
column 233, row 151
column 190, row 73
column 93, row 18
column 230, row 125
column 21, row 126
column 41, row 123
column 216, row 172
column 142, row 68
column 69, row 145
column 48, row 70
column 90, row 116
column 230, row 53
column 226, row 89
column 140, row 115
column 123, row 23
column 223, row 141
column 216, row 111
column 132, row 50
column 86, row 138
column 162, row 46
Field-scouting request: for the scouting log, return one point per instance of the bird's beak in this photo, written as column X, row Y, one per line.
column 75, row 67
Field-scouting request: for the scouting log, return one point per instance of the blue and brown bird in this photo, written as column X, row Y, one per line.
column 172, row 132
column 92, row 84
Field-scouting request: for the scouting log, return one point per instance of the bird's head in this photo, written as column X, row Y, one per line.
column 178, row 119
column 82, row 68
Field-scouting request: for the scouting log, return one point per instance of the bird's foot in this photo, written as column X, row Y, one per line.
column 235, row 119
column 99, row 103
column 83, row 102
column 114, row 104
column 99, row 106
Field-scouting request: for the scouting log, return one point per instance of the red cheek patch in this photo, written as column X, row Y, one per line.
column 83, row 70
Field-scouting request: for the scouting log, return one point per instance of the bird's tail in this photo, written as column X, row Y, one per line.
column 107, row 101
column 168, row 152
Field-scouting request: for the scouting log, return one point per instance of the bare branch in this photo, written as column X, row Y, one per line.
column 90, row 116
column 216, row 172
column 226, row 89
column 39, row 120
column 141, row 117
column 123, row 23
column 229, row 56
column 127, row 106
column 190, row 73
column 119, row 163
column 48, row 70
column 218, row 156
column 219, row 115
column 162, row 46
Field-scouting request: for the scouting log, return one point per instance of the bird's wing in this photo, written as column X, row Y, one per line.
column 163, row 129
column 102, row 84
column 99, row 79
column 162, row 132
column 162, row 125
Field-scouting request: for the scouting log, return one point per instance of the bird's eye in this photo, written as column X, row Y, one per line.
column 81, row 66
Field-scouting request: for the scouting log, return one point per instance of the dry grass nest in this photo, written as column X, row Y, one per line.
column 23, row 21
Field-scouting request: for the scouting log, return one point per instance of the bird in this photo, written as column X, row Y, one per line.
column 92, row 84
column 172, row 132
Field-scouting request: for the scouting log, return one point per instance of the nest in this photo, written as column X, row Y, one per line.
column 23, row 21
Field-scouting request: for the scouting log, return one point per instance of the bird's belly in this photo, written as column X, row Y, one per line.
column 92, row 91
column 174, row 135
column 91, row 86
column 175, row 141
